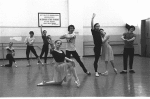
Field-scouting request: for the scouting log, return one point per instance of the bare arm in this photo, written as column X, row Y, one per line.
column 41, row 30
column 122, row 37
column 68, row 36
column 62, row 37
column 26, row 41
column 70, row 60
column 132, row 39
column 105, row 39
column 52, row 45
column 92, row 21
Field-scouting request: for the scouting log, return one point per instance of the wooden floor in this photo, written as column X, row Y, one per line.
column 22, row 81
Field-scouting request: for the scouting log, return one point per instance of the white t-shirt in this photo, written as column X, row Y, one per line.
column 30, row 40
column 70, row 46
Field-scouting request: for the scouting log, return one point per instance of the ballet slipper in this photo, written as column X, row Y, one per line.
column 41, row 84
column 77, row 83
column 28, row 65
column 115, row 70
column 105, row 73
column 16, row 65
column 2, row 65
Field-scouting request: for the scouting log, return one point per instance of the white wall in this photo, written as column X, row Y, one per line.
column 24, row 13
column 18, row 17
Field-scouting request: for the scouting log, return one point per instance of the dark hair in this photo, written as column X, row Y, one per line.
column 132, row 27
column 57, row 41
column 10, row 42
column 128, row 27
column 70, row 26
column 44, row 31
column 101, row 29
column 95, row 25
column 31, row 32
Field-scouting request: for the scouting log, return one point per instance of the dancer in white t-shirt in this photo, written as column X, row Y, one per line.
column 71, row 49
column 29, row 42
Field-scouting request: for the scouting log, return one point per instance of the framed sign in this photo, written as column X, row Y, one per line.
column 49, row 19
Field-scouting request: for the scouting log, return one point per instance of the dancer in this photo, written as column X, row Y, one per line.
column 95, row 29
column 10, row 55
column 29, row 42
column 107, row 52
column 71, row 49
column 128, row 39
column 45, row 47
column 62, row 68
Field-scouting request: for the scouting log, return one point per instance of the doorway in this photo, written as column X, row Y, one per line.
column 145, row 38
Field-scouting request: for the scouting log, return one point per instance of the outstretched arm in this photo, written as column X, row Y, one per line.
column 92, row 21
column 63, row 37
column 70, row 36
column 52, row 45
column 70, row 60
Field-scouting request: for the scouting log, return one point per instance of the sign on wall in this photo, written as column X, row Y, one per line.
column 49, row 19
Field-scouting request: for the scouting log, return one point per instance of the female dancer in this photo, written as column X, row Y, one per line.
column 10, row 55
column 107, row 52
column 45, row 47
column 61, row 67
column 29, row 42
column 71, row 49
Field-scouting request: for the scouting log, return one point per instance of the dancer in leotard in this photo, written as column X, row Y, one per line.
column 62, row 68
column 10, row 55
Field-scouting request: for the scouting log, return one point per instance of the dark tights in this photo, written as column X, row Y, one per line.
column 97, row 51
column 128, row 52
column 11, row 60
column 44, row 50
column 30, row 48
column 76, row 56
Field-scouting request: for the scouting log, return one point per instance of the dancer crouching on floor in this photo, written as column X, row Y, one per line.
column 10, row 55
column 62, row 68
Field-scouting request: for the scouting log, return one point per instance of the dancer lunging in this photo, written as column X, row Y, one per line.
column 95, row 29
column 10, row 55
column 62, row 68
column 71, row 49
column 29, row 42
column 107, row 52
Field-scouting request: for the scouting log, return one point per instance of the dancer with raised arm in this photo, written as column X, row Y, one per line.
column 29, row 42
column 45, row 47
column 71, row 49
column 107, row 52
column 10, row 55
column 95, row 29
column 62, row 68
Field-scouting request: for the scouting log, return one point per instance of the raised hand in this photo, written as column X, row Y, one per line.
column 93, row 15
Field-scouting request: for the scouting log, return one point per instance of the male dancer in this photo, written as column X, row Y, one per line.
column 128, row 39
column 29, row 42
column 71, row 49
column 95, row 29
